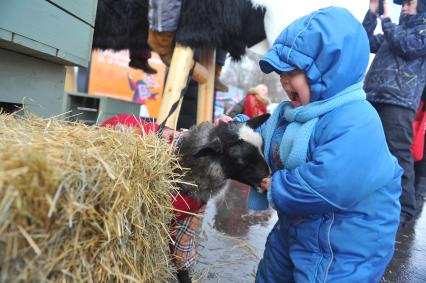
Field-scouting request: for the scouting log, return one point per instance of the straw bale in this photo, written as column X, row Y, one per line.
column 83, row 204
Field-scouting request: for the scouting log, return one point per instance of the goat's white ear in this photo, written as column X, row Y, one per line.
column 255, row 122
column 214, row 147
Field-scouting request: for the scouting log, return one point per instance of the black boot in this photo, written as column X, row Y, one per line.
column 183, row 276
column 139, row 60
column 142, row 65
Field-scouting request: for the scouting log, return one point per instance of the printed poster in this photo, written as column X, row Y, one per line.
column 111, row 76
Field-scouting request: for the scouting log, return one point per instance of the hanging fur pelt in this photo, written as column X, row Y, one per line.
column 253, row 31
column 231, row 25
column 121, row 24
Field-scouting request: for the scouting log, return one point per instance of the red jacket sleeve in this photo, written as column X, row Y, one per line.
column 131, row 122
column 253, row 107
column 250, row 106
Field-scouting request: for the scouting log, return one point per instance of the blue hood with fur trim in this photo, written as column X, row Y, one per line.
column 331, row 61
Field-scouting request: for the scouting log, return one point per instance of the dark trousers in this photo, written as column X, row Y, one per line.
column 398, row 126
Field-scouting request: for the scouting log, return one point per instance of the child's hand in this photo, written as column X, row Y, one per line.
column 386, row 10
column 223, row 118
column 266, row 182
column 374, row 7
column 170, row 134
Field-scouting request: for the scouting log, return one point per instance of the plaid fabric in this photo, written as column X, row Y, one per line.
column 183, row 232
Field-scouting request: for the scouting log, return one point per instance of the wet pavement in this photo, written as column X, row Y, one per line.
column 232, row 240
column 409, row 261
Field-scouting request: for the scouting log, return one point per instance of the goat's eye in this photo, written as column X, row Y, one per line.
column 240, row 161
column 234, row 151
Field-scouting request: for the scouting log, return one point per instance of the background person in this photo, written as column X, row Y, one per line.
column 395, row 82
column 254, row 104
column 256, row 101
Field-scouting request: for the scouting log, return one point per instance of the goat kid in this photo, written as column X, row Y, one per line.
column 217, row 153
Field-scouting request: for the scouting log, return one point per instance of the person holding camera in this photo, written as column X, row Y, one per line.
column 395, row 81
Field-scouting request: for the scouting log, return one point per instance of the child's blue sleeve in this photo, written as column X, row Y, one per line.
column 338, row 174
column 241, row 118
column 245, row 118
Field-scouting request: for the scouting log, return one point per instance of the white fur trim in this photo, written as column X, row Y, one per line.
column 249, row 135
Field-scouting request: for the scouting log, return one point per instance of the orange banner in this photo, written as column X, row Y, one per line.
column 110, row 75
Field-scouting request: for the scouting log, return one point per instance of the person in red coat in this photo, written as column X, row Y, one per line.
column 256, row 101
column 188, row 212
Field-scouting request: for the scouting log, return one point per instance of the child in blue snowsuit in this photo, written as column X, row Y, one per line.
column 334, row 183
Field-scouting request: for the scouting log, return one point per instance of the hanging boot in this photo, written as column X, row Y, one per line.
column 139, row 60
column 162, row 43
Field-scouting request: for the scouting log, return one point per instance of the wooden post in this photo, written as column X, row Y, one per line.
column 70, row 79
column 182, row 62
column 206, row 90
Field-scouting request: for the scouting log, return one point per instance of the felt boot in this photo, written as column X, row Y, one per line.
column 139, row 60
column 162, row 43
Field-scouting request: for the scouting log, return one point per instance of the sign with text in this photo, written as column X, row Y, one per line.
column 110, row 75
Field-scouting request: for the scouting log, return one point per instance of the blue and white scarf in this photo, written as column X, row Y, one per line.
column 295, row 141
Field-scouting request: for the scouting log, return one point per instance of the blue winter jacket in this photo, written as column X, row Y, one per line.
column 397, row 74
column 339, row 211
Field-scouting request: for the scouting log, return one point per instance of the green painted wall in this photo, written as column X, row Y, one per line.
column 83, row 9
column 56, row 30
column 91, row 109
column 37, row 84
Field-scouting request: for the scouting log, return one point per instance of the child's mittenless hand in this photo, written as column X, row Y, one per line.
column 374, row 7
column 223, row 118
column 170, row 134
column 264, row 185
column 386, row 10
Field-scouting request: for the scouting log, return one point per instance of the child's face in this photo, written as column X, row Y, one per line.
column 409, row 7
column 295, row 84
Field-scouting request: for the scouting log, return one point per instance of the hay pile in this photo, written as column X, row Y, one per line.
column 82, row 204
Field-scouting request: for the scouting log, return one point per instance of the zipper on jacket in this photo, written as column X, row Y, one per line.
column 330, row 249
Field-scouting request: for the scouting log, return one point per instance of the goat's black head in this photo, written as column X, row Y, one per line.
column 238, row 149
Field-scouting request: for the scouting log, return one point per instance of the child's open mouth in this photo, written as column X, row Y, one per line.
column 292, row 95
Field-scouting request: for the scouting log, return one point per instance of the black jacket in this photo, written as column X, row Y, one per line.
column 397, row 75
